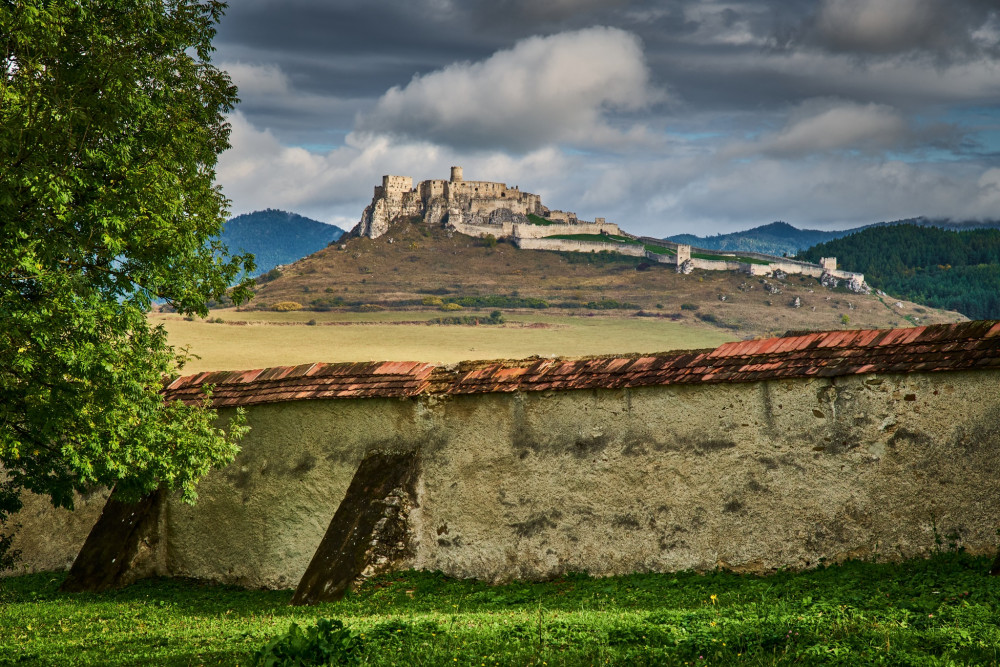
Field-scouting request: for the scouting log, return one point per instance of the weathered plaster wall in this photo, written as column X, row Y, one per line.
column 747, row 476
column 753, row 476
column 258, row 522
column 50, row 538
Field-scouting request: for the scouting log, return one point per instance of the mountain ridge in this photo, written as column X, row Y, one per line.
column 277, row 237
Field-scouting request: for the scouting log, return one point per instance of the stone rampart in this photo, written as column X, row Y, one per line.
column 532, row 231
column 503, row 230
column 572, row 245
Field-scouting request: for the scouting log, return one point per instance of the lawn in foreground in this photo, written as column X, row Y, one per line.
column 942, row 611
column 283, row 339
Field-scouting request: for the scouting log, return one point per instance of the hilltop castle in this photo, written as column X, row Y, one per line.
column 484, row 208
column 457, row 202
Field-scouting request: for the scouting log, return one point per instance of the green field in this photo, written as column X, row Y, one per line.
column 281, row 339
column 943, row 611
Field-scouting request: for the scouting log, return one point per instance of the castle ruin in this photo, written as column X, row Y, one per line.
column 459, row 203
column 485, row 208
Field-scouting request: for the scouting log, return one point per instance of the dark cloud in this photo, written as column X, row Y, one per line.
column 948, row 29
column 663, row 113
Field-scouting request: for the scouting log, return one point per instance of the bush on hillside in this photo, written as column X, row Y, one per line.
column 286, row 306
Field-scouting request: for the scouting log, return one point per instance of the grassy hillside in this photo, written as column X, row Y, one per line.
column 277, row 237
column 956, row 270
column 420, row 267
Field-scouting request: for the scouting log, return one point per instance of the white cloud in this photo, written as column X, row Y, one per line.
column 257, row 80
column 260, row 172
column 827, row 125
column 543, row 90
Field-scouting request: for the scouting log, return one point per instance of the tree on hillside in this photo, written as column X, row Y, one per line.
column 111, row 122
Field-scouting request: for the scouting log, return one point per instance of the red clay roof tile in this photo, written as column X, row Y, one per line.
column 969, row 345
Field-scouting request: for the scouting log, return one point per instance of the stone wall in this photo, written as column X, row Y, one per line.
column 531, row 231
column 579, row 246
column 753, row 477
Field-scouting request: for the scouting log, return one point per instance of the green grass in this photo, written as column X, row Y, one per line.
column 942, row 611
column 539, row 220
column 658, row 249
column 729, row 258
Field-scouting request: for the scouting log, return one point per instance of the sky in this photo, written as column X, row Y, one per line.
column 666, row 117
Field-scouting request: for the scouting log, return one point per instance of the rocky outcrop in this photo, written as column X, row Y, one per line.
column 858, row 286
column 378, row 216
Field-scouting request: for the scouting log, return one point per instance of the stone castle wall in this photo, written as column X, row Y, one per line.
column 572, row 245
column 753, row 477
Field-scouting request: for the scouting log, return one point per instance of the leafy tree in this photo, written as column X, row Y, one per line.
column 111, row 121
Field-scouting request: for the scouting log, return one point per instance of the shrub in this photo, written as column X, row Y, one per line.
column 324, row 304
column 286, row 306
column 689, row 306
column 845, row 319
column 432, row 301
column 311, row 323
column 369, row 308
column 273, row 274
column 451, row 306
column 490, row 241
column 326, row 643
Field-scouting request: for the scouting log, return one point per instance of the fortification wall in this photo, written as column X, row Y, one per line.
column 754, row 477
column 579, row 246
column 530, row 231
column 502, row 230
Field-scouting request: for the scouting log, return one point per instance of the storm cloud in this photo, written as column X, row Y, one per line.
column 663, row 116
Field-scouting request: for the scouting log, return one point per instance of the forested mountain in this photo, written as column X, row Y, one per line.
column 777, row 238
column 277, row 237
column 780, row 238
column 956, row 270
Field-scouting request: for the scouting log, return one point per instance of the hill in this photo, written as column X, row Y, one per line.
column 777, row 238
column 426, row 267
column 780, row 238
column 957, row 270
column 277, row 237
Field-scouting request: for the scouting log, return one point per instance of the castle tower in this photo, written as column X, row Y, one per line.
column 683, row 253
column 456, row 174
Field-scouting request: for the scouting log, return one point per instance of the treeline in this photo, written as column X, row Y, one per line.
column 944, row 269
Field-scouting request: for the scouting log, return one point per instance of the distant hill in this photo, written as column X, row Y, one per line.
column 777, row 238
column 421, row 266
column 956, row 270
column 277, row 237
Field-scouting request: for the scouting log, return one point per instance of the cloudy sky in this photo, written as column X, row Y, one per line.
column 664, row 116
